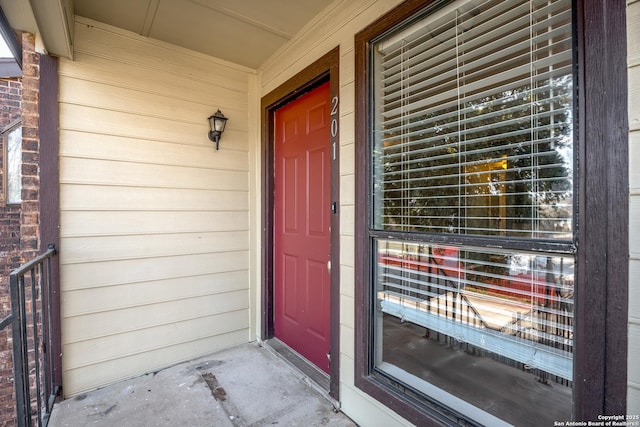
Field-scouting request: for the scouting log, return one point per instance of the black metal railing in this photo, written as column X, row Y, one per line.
column 32, row 335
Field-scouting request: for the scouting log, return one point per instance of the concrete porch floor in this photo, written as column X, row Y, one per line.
column 244, row 386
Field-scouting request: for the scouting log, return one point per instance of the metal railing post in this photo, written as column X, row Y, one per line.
column 39, row 269
column 20, row 377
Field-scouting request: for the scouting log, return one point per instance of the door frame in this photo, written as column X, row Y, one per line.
column 322, row 70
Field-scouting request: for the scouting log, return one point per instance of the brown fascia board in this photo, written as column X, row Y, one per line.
column 10, row 67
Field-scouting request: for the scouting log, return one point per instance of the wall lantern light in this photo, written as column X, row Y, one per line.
column 217, row 123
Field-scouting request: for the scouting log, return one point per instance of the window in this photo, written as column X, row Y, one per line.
column 12, row 141
column 468, row 203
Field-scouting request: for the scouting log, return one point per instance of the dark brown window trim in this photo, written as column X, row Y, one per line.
column 603, row 257
column 322, row 70
column 600, row 365
column 14, row 124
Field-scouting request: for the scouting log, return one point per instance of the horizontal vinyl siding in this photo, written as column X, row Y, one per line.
column 633, row 60
column 155, row 246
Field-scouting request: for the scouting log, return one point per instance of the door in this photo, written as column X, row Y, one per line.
column 302, row 226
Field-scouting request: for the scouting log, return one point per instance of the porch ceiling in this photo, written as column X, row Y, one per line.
column 245, row 32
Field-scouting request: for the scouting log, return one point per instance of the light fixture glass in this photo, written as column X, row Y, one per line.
column 217, row 123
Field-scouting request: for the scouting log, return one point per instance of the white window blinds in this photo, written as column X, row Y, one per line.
column 518, row 305
column 473, row 112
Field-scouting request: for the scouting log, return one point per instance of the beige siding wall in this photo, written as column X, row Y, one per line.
column 633, row 46
column 155, row 244
column 337, row 27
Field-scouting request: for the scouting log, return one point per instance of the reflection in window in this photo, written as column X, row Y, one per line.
column 471, row 221
column 473, row 113
column 478, row 323
column 13, row 143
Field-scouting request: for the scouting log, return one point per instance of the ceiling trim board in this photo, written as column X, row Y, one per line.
column 275, row 31
column 150, row 17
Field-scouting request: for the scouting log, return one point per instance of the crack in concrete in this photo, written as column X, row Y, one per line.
column 216, row 391
column 220, row 395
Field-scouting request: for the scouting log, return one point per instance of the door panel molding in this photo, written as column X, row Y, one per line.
column 302, row 195
column 322, row 70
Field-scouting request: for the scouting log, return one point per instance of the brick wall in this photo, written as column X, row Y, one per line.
column 19, row 224
column 30, row 219
column 10, row 111
column 10, row 97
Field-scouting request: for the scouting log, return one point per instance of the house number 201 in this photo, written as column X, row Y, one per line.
column 334, row 124
column 334, row 116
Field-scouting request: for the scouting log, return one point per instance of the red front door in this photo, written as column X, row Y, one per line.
column 301, row 226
